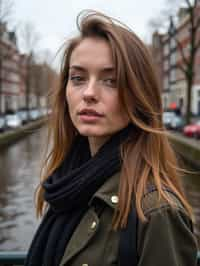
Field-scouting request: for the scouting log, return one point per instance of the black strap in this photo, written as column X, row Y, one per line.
column 128, row 255
column 128, row 238
column 128, row 241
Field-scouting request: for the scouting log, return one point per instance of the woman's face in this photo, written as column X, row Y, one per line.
column 91, row 92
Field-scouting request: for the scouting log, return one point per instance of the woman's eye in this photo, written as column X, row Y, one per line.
column 77, row 79
column 110, row 82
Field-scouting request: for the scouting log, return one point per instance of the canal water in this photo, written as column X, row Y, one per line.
column 19, row 176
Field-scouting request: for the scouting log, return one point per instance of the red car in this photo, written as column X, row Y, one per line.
column 197, row 134
column 192, row 129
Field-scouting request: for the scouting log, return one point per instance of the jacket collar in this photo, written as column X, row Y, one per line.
column 108, row 192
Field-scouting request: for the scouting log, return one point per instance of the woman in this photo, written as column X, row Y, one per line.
column 108, row 147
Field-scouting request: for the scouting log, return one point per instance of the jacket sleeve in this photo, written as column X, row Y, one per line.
column 166, row 239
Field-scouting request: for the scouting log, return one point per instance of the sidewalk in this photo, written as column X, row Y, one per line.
column 11, row 136
column 187, row 148
column 189, row 141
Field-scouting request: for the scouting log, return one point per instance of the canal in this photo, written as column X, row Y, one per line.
column 19, row 176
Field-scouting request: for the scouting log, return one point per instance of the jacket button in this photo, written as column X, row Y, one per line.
column 93, row 225
column 114, row 199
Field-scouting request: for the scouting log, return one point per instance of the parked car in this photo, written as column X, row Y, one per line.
column 13, row 121
column 177, row 123
column 23, row 115
column 34, row 114
column 2, row 123
column 191, row 129
column 167, row 119
column 197, row 133
column 43, row 111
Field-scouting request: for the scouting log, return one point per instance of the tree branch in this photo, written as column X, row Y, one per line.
column 6, row 9
column 172, row 34
column 197, row 24
column 197, row 46
column 189, row 3
column 182, row 52
column 182, row 69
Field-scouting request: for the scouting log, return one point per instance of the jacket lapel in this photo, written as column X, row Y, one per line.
column 89, row 224
column 81, row 236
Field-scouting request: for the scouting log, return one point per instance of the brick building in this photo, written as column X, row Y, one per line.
column 14, row 76
column 168, row 57
column 10, row 71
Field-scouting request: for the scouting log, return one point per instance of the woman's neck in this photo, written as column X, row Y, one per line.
column 96, row 143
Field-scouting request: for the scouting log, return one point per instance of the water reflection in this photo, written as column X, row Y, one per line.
column 19, row 172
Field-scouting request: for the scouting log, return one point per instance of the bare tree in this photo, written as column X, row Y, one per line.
column 6, row 10
column 187, row 62
column 29, row 39
column 43, row 77
column 161, row 21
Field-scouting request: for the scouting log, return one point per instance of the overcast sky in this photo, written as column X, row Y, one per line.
column 55, row 20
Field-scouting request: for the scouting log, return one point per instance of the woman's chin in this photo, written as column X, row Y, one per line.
column 91, row 132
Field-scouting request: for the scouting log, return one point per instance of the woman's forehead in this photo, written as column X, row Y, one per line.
column 93, row 53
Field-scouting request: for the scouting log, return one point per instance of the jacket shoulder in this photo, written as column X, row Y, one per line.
column 168, row 230
column 151, row 202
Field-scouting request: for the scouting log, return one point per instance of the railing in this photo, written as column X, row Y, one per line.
column 12, row 258
column 18, row 258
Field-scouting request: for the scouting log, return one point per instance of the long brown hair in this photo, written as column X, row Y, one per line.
column 149, row 157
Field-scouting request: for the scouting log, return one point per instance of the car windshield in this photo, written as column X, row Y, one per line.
column 1, row 121
column 176, row 118
column 11, row 117
column 169, row 114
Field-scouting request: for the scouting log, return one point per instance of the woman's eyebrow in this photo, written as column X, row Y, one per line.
column 77, row 67
column 106, row 69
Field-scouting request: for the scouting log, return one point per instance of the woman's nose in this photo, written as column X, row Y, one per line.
column 90, row 91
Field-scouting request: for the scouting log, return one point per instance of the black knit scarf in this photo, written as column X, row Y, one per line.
column 68, row 191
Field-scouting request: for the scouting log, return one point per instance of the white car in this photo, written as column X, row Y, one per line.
column 35, row 114
column 13, row 121
column 167, row 119
column 23, row 115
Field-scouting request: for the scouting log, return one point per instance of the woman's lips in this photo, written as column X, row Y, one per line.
column 90, row 117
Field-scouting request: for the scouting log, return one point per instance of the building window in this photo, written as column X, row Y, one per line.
column 173, row 59
column 166, row 64
column 173, row 75
column 166, row 49
column 166, row 83
column 173, row 43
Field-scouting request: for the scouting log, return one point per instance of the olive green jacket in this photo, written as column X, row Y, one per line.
column 165, row 240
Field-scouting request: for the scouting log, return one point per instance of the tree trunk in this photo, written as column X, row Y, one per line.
column 28, row 85
column 189, row 96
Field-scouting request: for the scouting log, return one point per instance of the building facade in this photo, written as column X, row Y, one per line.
column 10, row 72
column 24, row 83
column 170, row 62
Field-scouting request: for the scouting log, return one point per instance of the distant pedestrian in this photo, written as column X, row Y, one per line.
column 110, row 157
